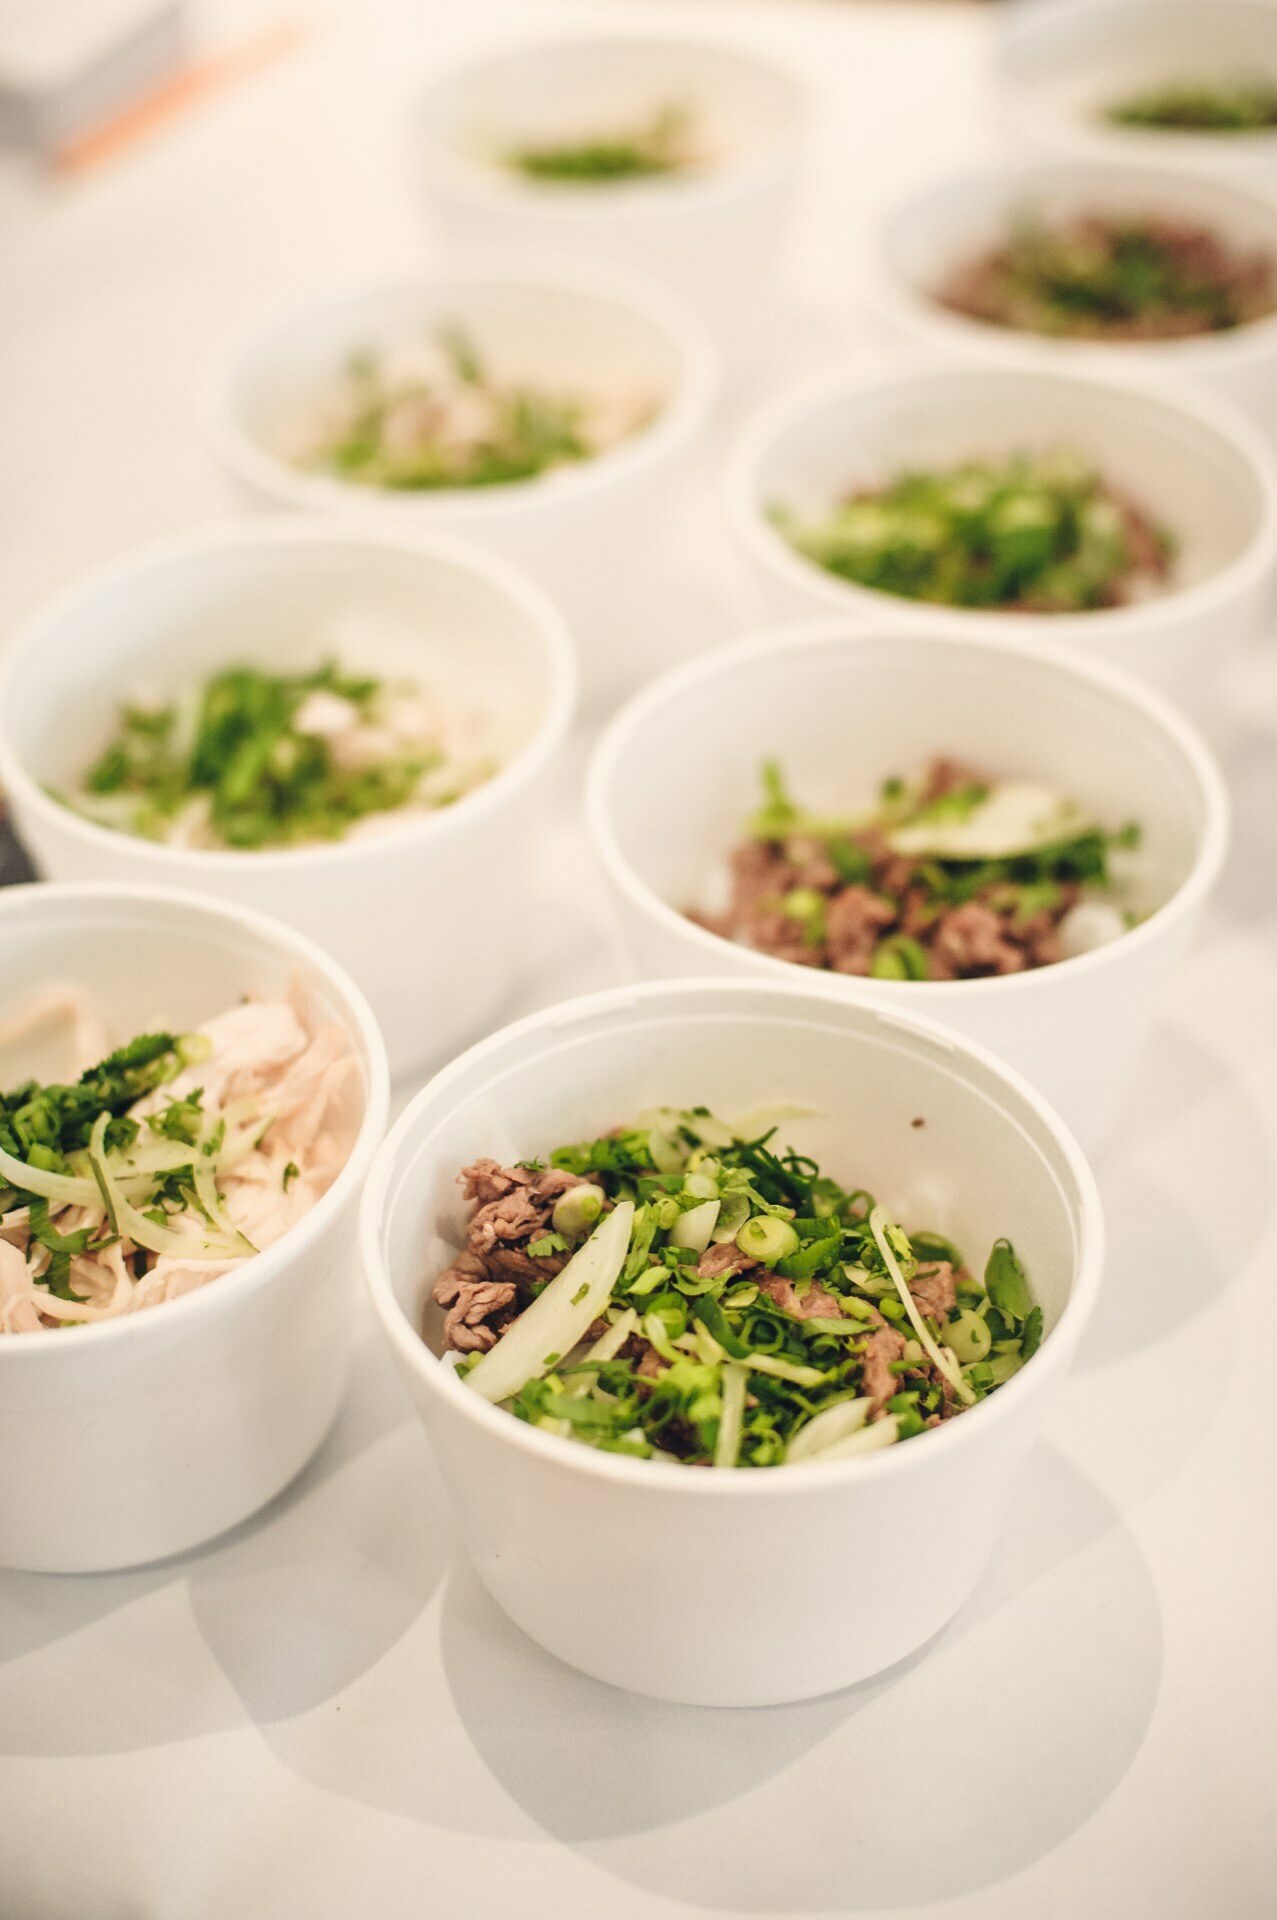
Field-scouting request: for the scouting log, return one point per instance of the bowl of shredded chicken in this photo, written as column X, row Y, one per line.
column 190, row 1096
column 167, row 1163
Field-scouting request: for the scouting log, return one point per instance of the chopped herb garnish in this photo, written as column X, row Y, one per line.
column 455, row 424
column 734, row 1306
column 271, row 759
column 1200, row 106
column 658, row 146
column 1105, row 277
column 1032, row 534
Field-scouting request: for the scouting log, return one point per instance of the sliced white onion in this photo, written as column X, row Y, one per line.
column 1018, row 816
column 694, row 1228
column 826, row 1429
column 559, row 1316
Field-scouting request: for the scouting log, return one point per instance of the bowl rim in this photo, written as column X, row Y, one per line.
column 921, row 368
column 1029, row 34
column 190, row 1309
column 271, row 475
column 416, row 1358
column 831, row 632
column 299, row 535
column 1000, row 181
column 482, row 186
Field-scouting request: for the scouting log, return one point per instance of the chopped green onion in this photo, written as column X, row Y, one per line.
column 767, row 1238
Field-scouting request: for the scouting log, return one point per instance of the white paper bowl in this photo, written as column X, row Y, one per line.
column 566, row 325
column 398, row 909
column 944, row 225
column 742, row 1588
column 1059, row 68
column 1192, row 463
column 141, row 1437
column 843, row 707
column 702, row 232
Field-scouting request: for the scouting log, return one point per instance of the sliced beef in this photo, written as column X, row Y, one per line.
column 515, row 1216
column 881, row 1350
column 817, row 1303
column 934, row 1289
column 856, row 921
column 495, row 1275
column 973, row 939
column 524, row 1269
column 475, row 1303
column 725, row 1257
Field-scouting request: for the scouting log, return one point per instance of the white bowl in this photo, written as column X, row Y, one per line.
column 1059, row 68
column 1194, row 464
column 842, row 707
column 577, row 528
column 143, row 1436
column 703, row 232
column 398, row 908
column 943, row 226
column 750, row 1587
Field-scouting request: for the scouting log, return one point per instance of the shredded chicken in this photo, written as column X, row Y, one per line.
column 301, row 1081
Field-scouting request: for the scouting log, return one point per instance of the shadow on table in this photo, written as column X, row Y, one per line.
column 955, row 1770
column 292, row 1614
column 1192, row 1151
column 1246, row 742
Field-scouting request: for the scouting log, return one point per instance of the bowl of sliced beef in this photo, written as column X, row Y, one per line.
column 644, row 1264
column 1146, row 270
column 1015, row 843
column 1067, row 507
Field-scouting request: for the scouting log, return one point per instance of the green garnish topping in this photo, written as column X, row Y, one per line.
column 43, row 1124
column 1200, row 106
column 1037, row 533
column 457, row 425
column 659, row 146
column 789, row 1330
column 1099, row 277
column 247, row 769
column 948, row 876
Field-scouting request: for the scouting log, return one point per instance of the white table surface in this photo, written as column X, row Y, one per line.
column 322, row 1715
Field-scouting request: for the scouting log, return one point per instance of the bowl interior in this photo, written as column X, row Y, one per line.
column 943, row 228
column 579, row 88
column 571, row 339
column 1189, row 478
column 147, row 964
column 1072, row 63
column 983, row 1163
column 842, row 714
column 288, row 604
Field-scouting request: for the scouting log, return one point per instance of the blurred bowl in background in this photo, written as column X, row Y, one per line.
column 1061, row 70
column 399, row 909
column 565, row 327
column 955, row 220
column 1192, row 465
column 704, row 230
column 145, row 1435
